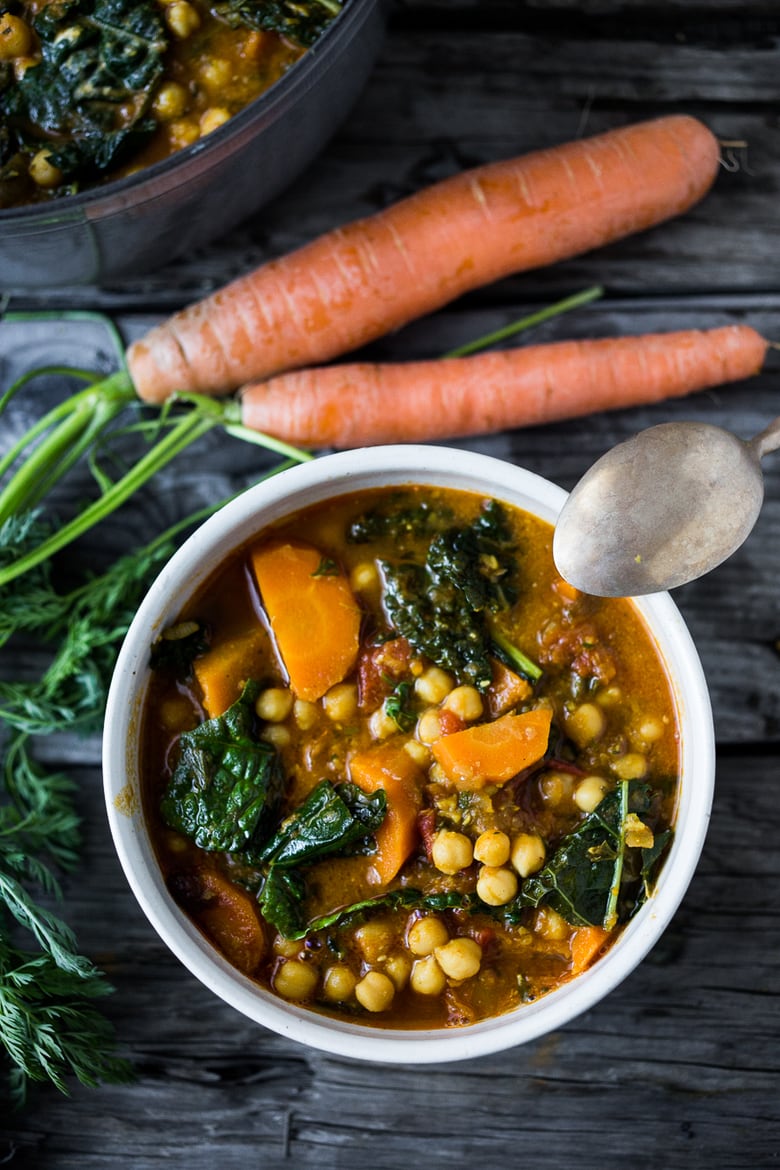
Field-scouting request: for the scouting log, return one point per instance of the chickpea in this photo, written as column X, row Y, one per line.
column 295, row 979
column 375, row 991
column 496, row 885
column 170, row 101
column 433, row 685
column 339, row 983
column 586, row 724
column 590, row 792
column 340, row 703
column 492, row 847
column 399, row 967
column 182, row 19
column 650, row 729
column 374, row 940
column 381, row 725
column 528, row 853
column 556, row 787
column 43, row 171
column 428, row 726
column 15, row 37
column 465, row 702
column 609, row 697
column 288, row 948
column 274, row 704
column 551, row 925
column 183, row 132
column 364, row 577
column 631, row 766
column 418, row 751
column 179, row 630
column 305, row 714
column 426, row 934
column 451, row 851
column 212, row 119
column 215, row 74
column 427, row 977
column 460, row 958
column 277, row 735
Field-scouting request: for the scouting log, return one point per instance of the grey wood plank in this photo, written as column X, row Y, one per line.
column 678, row 1067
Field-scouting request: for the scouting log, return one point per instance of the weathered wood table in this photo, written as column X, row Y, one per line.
column 679, row 1067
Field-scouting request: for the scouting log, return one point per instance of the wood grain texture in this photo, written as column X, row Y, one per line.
column 679, row 1067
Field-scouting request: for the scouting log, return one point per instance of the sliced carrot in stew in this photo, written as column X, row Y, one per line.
column 585, row 946
column 313, row 613
column 230, row 919
column 223, row 670
column 390, row 767
column 492, row 753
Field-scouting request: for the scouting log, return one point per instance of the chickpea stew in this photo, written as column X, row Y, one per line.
column 97, row 89
column 397, row 770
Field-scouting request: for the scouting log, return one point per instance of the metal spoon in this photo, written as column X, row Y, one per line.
column 662, row 509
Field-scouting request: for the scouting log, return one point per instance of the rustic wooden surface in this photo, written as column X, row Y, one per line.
column 679, row 1067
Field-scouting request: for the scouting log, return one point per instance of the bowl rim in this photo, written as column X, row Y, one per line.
column 253, row 510
column 148, row 183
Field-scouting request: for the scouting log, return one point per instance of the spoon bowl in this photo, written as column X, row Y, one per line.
column 661, row 509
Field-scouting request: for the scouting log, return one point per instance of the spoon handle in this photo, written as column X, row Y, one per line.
column 768, row 440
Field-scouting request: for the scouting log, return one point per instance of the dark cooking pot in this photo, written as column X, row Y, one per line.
column 130, row 226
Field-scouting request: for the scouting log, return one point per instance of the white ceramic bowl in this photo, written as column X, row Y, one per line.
column 194, row 562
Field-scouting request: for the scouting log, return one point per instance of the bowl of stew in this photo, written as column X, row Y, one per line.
column 134, row 131
column 383, row 780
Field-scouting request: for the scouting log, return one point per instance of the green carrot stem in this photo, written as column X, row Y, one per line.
column 611, row 913
column 72, row 425
column 522, row 663
column 205, row 415
column 23, row 488
column 190, row 428
column 227, row 412
column 43, row 371
column 260, row 439
column 117, row 390
column 572, row 302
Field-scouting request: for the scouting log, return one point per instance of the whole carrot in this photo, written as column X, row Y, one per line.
column 362, row 404
column 372, row 276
